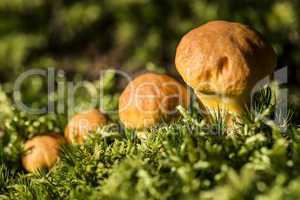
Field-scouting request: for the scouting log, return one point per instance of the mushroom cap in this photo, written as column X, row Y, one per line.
column 81, row 124
column 224, row 58
column 41, row 152
column 149, row 98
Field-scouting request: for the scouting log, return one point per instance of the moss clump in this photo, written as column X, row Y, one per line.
column 187, row 159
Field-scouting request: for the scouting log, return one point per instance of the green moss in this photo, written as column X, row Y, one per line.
column 187, row 159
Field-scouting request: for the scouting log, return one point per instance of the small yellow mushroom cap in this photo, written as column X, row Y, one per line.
column 150, row 98
column 41, row 152
column 81, row 124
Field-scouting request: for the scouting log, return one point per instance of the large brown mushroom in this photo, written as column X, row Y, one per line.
column 41, row 152
column 149, row 99
column 82, row 124
column 222, row 61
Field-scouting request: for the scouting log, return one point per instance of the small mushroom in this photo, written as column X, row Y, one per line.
column 149, row 99
column 222, row 61
column 82, row 124
column 41, row 152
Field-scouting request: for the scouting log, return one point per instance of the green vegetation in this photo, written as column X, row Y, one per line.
column 82, row 36
column 187, row 159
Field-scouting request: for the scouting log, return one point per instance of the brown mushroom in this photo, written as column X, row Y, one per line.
column 41, row 152
column 150, row 98
column 222, row 61
column 82, row 124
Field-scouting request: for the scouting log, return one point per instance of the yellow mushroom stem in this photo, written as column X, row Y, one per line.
column 232, row 105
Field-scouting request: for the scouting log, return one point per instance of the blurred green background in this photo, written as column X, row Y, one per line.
column 82, row 37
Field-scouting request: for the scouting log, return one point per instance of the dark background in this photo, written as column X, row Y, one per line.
column 82, row 37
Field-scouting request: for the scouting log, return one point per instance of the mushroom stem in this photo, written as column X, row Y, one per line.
column 234, row 105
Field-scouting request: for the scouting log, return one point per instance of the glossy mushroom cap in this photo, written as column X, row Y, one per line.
column 41, row 152
column 224, row 59
column 150, row 98
column 82, row 124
